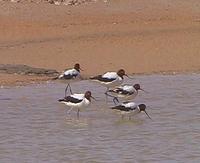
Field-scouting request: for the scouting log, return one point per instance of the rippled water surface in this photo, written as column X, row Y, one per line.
column 34, row 127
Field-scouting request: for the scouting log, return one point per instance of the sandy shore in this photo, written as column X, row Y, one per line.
column 141, row 36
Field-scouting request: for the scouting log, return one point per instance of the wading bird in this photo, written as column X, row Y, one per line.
column 69, row 76
column 125, row 92
column 110, row 79
column 130, row 109
column 77, row 101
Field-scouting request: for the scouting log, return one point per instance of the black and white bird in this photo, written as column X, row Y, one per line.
column 125, row 92
column 69, row 76
column 110, row 79
column 77, row 101
column 130, row 109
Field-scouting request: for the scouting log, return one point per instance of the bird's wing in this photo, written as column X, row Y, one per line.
column 120, row 91
column 121, row 108
column 100, row 78
column 131, row 105
column 110, row 75
column 69, row 74
column 70, row 99
column 78, row 96
column 128, row 88
column 107, row 77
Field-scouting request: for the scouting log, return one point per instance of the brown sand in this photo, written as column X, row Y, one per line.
column 141, row 36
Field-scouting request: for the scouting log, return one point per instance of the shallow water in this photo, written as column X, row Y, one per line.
column 35, row 128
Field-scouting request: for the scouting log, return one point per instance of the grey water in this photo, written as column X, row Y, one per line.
column 34, row 127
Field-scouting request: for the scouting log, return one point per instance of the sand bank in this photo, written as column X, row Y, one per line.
column 140, row 36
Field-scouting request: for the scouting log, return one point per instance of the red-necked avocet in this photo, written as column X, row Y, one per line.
column 130, row 109
column 77, row 101
column 110, row 79
column 125, row 92
column 70, row 75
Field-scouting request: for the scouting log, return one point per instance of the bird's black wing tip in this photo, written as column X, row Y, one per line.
column 61, row 100
column 96, row 77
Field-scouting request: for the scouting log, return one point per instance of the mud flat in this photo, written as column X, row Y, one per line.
column 23, row 74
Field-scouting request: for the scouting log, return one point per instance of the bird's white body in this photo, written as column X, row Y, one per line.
column 134, row 109
column 70, row 76
column 110, row 80
column 71, row 72
column 125, row 92
column 77, row 101
column 84, row 102
column 110, row 75
column 130, row 109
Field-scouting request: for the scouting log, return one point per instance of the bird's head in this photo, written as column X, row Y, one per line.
column 88, row 95
column 121, row 73
column 142, row 107
column 77, row 67
column 137, row 87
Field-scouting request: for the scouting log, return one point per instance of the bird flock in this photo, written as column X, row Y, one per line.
column 114, row 88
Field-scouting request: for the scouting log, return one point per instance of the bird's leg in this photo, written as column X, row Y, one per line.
column 78, row 113
column 68, row 112
column 106, row 93
column 70, row 89
column 115, row 99
column 66, row 90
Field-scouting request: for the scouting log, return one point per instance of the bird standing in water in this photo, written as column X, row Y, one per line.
column 125, row 92
column 77, row 101
column 110, row 79
column 130, row 109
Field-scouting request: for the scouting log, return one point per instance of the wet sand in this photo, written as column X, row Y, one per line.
column 140, row 36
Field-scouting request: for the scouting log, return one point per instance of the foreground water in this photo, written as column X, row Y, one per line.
column 34, row 126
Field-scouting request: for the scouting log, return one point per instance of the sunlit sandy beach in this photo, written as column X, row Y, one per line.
column 139, row 36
